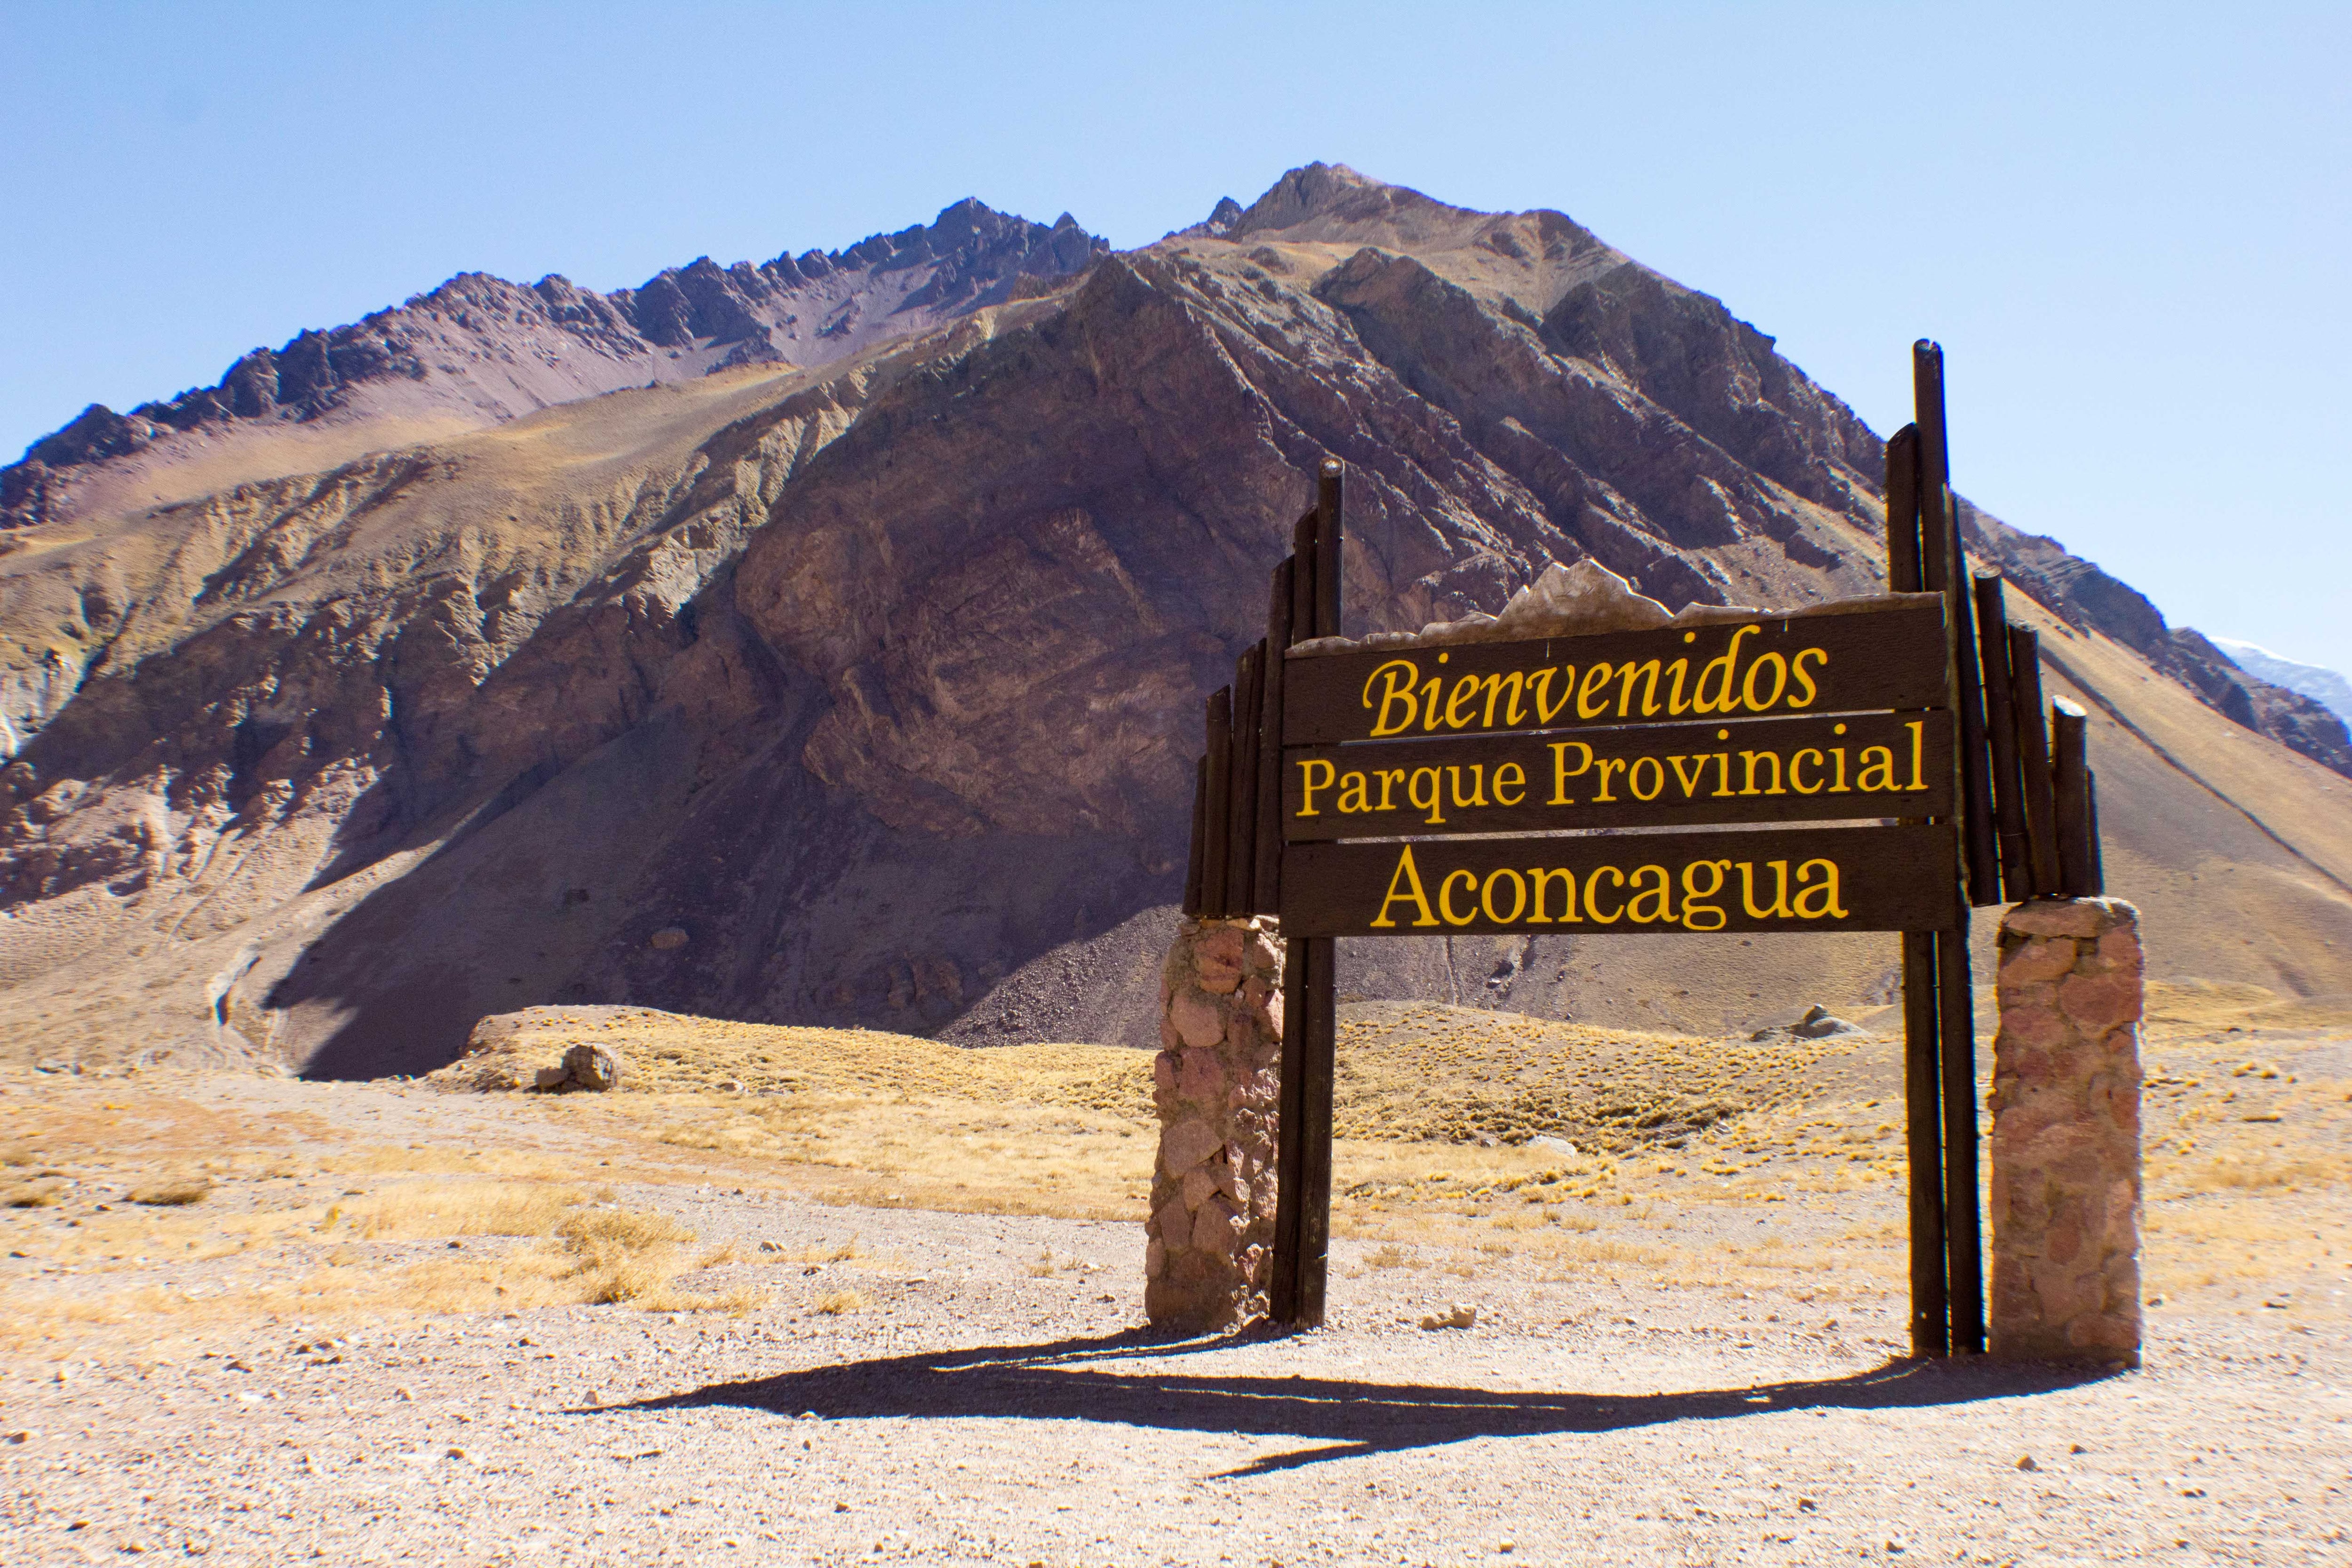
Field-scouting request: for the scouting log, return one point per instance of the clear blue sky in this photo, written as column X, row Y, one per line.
column 2129, row 226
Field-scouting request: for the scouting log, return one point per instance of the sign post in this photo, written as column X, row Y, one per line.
column 1873, row 766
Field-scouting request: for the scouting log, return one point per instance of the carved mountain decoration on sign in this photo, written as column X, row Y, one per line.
column 440, row 665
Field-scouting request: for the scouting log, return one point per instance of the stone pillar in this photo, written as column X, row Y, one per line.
column 2065, row 1134
column 1211, row 1233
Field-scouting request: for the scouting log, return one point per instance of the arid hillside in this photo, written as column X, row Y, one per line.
column 866, row 691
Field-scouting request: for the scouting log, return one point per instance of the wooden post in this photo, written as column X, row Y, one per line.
column 1266, row 880
column 2034, row 760
column 2071, row 787
column 1923, row 1147
column 1219, row 815
column 2001, row 729
column 1955, row 1033
column 1922, row 1091
column 1944, row 556
column 1310, row 1015
column 1241, row 808
column 1195, row 854
column 2098, row 853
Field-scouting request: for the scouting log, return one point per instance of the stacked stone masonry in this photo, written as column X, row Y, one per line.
column 2065, row 1134
column 1208, row 1250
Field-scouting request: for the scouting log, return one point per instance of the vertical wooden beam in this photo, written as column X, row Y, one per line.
column 1305, row 555
column 1220, row 812
column 1266, row 881
column 1327, row 549
column 1931, row 1332
column 1197, row 850
column 2098, row 851
column 2001, row 729
column 1956, row 1030
column 2034, row 761
column 2071, row 787
column 1902, row 570
column 1241, row 833
column 1318, row 1050
column 1945, row 555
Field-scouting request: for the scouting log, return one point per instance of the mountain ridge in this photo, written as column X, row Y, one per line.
column 872, row 687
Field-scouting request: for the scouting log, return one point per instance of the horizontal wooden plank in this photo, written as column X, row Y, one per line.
column 1812, row 664
column 1789, row 880
column 1641, row 775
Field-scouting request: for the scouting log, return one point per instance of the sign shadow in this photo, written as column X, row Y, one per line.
column 1094, row 1379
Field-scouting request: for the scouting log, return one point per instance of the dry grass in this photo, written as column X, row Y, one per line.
column 833, row 1303
column 173, row 1194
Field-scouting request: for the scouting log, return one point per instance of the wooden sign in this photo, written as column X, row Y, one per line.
column 1807, row 879
column 1646, row 775
column 1880, row 658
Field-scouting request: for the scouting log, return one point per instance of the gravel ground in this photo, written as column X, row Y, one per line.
column 977, row 1409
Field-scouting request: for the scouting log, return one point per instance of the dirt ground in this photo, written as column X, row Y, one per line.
column 386, row 1324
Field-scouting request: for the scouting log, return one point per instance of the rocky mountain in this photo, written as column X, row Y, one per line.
column 2323, row 686
column 479, row 350
column 867, row 692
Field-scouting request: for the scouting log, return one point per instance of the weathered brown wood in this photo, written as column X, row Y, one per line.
column 1221, row 785
column 1655, row 775
column 1327, row 536
column 1931, row 1333
column 1241, row 832
column 2000, row 733
column 1885, row 878
column 1196, row 851
column 2071, row 790
column 1903, row 574
column 1869, row 659
column 1955, row 1043
column 2034, row 761
column 1318, row 1064
column 1266, row 881
column 1945, row 555
column 1303, row 553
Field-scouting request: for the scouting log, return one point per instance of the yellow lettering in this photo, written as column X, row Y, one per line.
column 1433, row 803
column 1308, row 785
column 1355, row 793
column 1820, row 900
column 1477, row 785
column 1561, row 773
column 1510, row 775
column 1607, row 766
column 1409, row 878
column 1689, row 780
column 1796, row 673
column 1695, row 914
column 1593, row 881
column 1779, row 681
column 1518, row 896
column 1657, row 896
column 1729, row 700
column 1919, row 728
column 1722, row 761
column 1796, row 778
column 1837, row 783
column 1543, row 879
column 1389, row 778
column 1630, row 672
column 1395, row 679
column 1596, row 677
column 1877, row 763
column 1772, row 757
column 1546, row 708
column 1445, row 898
column 1429, row 703
column 1779, row 906
column 1675, row 701
column 1467, row 686
column 1493, row 688
column 1657, row 778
